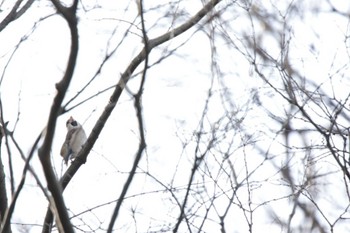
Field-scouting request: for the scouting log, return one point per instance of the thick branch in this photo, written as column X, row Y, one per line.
column 44, row 152
column 15, row 13
column 3, row 194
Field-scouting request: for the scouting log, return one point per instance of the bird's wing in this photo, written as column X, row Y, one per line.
column 66, row 150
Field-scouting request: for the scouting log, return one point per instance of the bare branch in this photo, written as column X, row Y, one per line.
column 142, row 145
column 6, row 132
column 3, row 193
column 15, row 13
column 44, row 152
column 6, row 220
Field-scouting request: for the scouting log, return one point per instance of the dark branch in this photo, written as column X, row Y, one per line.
column 15, row 13
column 44, row 152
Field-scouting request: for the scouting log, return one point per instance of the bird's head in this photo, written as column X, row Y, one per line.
column 71, row 123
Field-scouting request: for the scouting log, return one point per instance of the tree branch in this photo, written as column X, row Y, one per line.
column 7, row 217
column 9, row 154
column 62, row 217
column 15, row 13
column 3, row 193
column 142, row 145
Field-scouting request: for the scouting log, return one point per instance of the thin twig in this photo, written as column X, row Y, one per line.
column 11, row 208
column 142, row 145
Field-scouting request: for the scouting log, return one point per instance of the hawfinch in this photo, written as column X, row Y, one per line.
column 75, row 139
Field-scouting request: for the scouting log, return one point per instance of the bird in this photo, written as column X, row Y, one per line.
column 74, row 141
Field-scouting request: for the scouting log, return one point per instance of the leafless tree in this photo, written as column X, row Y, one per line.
column 203, row 116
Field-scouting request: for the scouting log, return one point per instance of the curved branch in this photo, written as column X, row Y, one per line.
column 44, row 152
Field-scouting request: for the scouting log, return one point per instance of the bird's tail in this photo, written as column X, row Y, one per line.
column 65, row 159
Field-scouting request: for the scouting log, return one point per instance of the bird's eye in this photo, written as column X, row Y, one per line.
column 74, row 123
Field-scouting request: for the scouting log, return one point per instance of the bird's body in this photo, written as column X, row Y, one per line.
column 74, row 141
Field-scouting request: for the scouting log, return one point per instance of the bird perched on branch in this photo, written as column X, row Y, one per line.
column 75, row 139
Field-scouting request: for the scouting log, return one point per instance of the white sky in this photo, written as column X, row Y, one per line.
column 173, row 102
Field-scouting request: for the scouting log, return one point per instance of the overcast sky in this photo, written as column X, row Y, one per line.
column 173, row 102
